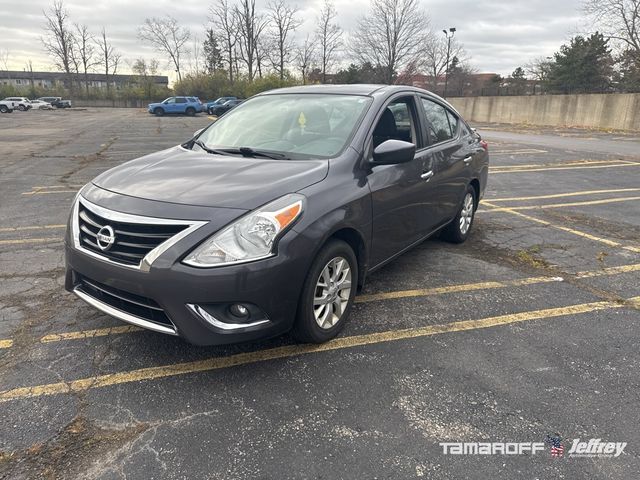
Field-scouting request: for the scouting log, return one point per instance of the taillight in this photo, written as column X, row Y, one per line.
column 484, row 145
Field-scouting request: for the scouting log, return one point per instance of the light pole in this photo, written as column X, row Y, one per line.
column 449, row 34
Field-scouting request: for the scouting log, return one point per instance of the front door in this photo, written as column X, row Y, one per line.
column 402, row 195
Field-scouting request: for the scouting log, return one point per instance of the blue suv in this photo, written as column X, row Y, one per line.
column 184, row 105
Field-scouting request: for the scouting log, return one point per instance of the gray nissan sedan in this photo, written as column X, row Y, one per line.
column 271, row 218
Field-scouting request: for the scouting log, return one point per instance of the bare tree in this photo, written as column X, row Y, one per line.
column 617, row 19
column 390, row 35
column 168, row 37
column 250, row 26
column 283, row 23
column 58, row 37
column 195, row 63
column 329, row 37
column 4, row 59
column 434, row 55
column 83, row 52
column 109, row 57
column 305, row 56
column 223, row 19
column 146, row 70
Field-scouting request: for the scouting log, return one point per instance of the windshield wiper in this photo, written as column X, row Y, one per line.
column 213, row 151
column 244, row 151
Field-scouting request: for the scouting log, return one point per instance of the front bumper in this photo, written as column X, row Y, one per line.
column 190, row 300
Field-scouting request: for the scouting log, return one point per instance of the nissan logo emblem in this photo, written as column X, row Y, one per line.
column 105, row 238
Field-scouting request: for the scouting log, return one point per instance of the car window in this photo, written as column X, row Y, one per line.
column 438, row 125
column 170, row 100
column 297, row 125
column 453, row 122
column 181, row 100
column 191, row 99
column 396, row 123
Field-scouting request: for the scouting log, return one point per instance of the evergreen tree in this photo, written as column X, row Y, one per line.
column 583, row 66
column 212, row 53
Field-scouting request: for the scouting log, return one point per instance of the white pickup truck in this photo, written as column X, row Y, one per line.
column 6, row 107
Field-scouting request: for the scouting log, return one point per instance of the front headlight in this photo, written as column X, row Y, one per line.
column 251, row 237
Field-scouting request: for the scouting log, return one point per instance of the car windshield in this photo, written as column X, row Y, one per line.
column 298, row 126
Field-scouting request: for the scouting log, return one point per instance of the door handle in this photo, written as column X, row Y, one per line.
column 426, row 176
column 467, row 160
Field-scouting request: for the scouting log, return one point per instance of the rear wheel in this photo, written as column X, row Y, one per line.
column 158, row 112
column 328, row 293
column 458, row 230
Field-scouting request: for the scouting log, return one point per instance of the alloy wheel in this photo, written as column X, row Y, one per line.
column 466, row 214
column 332, row 292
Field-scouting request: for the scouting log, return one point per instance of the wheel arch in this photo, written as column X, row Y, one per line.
column 355, row 240
column 475, row 183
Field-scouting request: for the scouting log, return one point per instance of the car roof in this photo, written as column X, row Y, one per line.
column 351, row 89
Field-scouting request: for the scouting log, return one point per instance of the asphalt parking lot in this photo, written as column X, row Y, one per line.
column 529, row 329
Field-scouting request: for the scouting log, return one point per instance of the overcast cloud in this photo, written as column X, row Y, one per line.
column 499, row 35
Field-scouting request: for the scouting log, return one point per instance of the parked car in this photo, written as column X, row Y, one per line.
column 41, row 105
column 219, row 101
column 19, row 103
column 6, row 107
column 272, row 217
column 172, row 105
column 56, row 102
column 225, row 107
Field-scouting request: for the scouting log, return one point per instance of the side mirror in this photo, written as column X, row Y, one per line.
column 392, row 152
column 197, row 132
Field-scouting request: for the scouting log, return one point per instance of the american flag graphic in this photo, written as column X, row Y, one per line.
column 557, row 449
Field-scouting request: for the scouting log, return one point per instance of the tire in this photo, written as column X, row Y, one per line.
column 22, row 108
column 3, row 109
column 191, row 111
column 458, row 230
column 332, row 315
column 158, row 112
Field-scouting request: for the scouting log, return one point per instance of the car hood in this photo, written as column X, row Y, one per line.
column 182, row 176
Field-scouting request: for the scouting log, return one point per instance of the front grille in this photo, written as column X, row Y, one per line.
column 132, row 240
column 130, row 303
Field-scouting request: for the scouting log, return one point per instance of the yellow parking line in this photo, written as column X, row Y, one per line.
column 20, row 241
column 572, row 163
column 563, row 205
column 468, row 287
column 30, row 227
column 610, row 271
column 562, row 195
column 48, row 192
column 6, row 343
column 99, row 332
column 526, row 170
column 595, row 238
column 217, row 363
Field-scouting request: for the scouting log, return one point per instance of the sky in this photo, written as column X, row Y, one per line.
column 498, row 35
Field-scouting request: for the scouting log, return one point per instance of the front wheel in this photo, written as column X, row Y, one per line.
column 191, row 111
column 158, row 112
column 22, row 108
column 328, row 294
column 4, row 109
column 458, row 230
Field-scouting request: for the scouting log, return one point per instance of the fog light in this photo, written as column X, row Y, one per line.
column 238, row 310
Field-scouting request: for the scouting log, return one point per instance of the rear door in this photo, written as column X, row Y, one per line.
column 451, row 157
column 180, row 105
column 402, row 197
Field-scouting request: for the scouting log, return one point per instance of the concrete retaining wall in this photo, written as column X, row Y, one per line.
column 608, row 111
